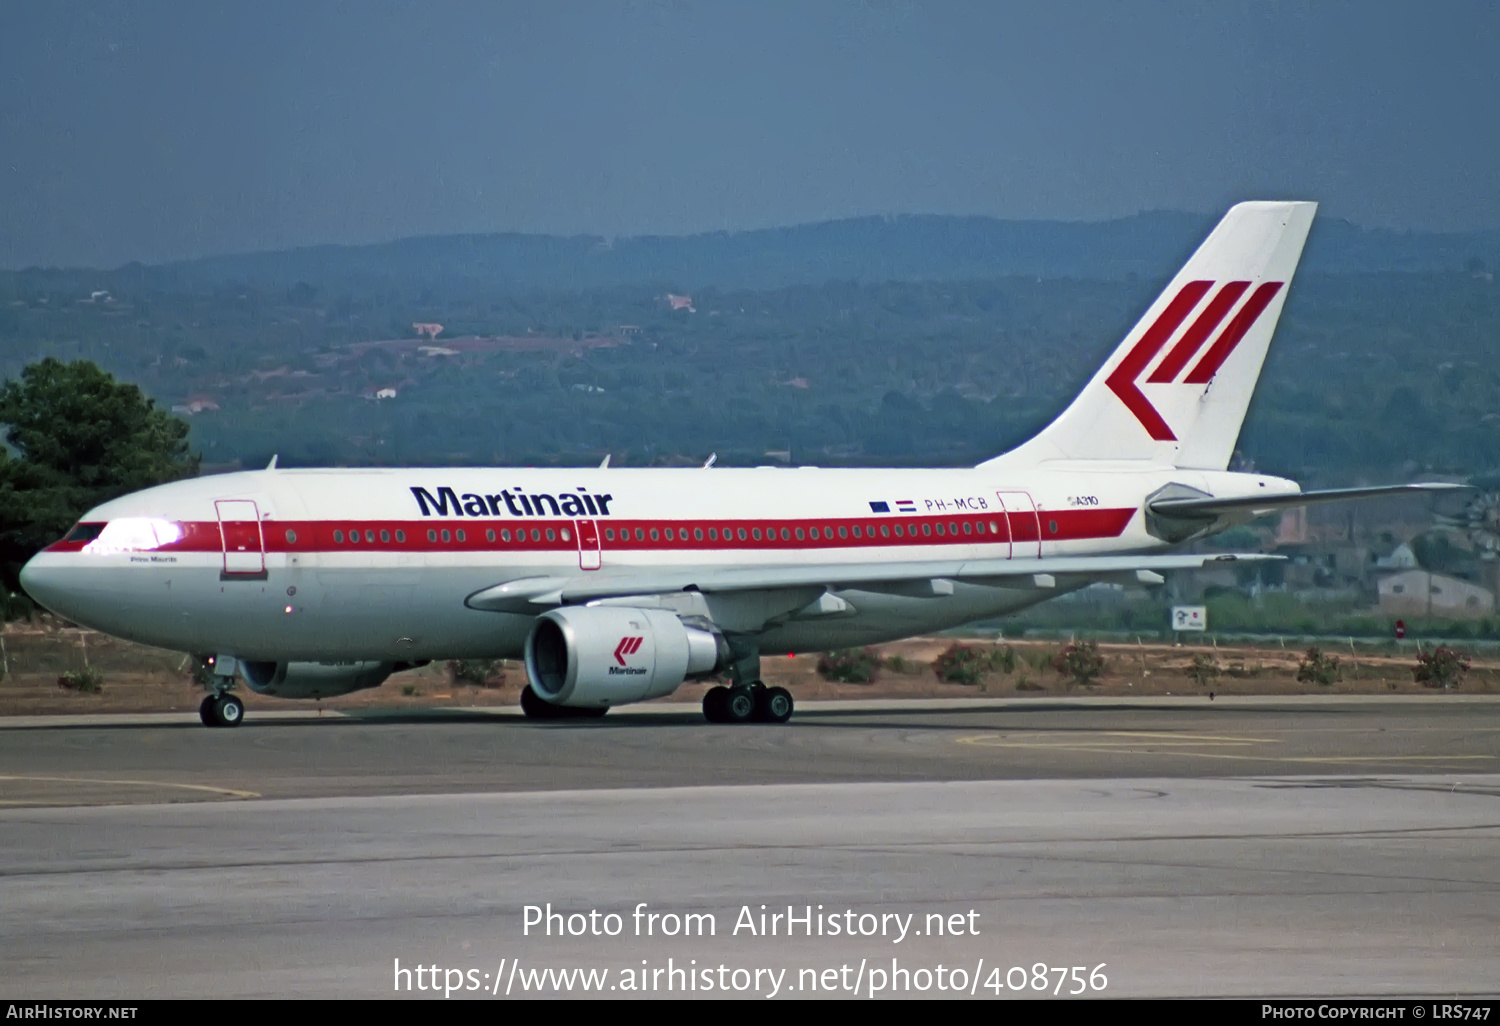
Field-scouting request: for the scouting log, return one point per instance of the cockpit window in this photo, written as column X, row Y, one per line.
column 134, row 534
column 85, row 533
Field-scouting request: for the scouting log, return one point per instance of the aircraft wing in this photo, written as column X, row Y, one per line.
column 1210, row 507
column 531, row 594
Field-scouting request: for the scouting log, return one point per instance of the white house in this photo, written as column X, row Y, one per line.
column 1421, row 593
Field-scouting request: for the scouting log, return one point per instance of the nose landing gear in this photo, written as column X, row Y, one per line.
column 221, row 708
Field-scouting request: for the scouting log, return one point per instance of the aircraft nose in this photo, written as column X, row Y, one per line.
column 42, row 579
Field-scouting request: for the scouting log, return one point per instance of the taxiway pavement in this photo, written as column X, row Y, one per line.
column 1247, row 848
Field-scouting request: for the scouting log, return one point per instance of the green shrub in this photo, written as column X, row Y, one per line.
column 1317, row 668
column 476, row 673
column 961, row 664
column 1081, row 661
column 1441, row 668
column 87, row 680
column 849, row 665
column 896, row 664
column 1204, row 669
column 410, row 690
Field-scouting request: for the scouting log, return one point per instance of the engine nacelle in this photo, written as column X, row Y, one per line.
column 598, row 656
column 313, row 680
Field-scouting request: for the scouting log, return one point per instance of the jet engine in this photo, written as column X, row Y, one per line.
column 314, row 680
column 599, row 656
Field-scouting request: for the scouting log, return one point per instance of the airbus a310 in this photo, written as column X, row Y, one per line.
column 617, row 585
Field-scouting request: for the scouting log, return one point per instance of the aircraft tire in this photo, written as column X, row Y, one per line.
column 228, row 711
column 773, row 705
column 739, row 705
column 206, row 712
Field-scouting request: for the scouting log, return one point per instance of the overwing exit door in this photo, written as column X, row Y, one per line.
column 239, row 530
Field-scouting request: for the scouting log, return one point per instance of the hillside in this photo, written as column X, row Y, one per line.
column 918, row 339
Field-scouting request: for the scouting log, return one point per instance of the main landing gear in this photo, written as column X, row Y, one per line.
column 747, row 703
column 747, row 699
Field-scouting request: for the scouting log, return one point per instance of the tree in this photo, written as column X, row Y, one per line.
column 77, row 438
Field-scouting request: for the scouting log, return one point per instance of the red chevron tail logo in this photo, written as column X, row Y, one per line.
column 627, row 646
column 1124, row 380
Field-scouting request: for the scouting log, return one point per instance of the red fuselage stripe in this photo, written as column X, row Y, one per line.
column 481, row 534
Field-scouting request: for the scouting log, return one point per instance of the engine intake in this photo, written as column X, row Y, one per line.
column 314, row 680
column 598, row 656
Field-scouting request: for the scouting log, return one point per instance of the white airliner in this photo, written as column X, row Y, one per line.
column 617, row 585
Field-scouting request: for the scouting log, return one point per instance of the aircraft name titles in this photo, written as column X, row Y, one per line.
column 515, row 502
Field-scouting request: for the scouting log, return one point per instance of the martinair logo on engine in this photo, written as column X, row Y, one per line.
column 448, row 503
column 627, row 646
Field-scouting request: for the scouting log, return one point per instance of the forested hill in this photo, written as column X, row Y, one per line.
column 872, row 249
column 919, row 340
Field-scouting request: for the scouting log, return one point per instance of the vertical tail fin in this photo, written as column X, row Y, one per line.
column 1176, row 390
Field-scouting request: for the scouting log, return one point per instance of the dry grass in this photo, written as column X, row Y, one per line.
column 141, row 679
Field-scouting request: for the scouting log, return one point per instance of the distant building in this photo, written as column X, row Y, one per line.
column 386, row 393
column 681, row 303
column 432, row 330
column 1421, row 593
column 1400, row 558
column 1292, row 530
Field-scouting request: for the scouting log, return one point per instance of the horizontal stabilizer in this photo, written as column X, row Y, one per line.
column 1209, row 508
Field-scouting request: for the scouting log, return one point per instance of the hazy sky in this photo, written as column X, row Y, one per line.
column 150, row 130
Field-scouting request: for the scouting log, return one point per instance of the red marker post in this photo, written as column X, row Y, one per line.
column 1400, row 629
